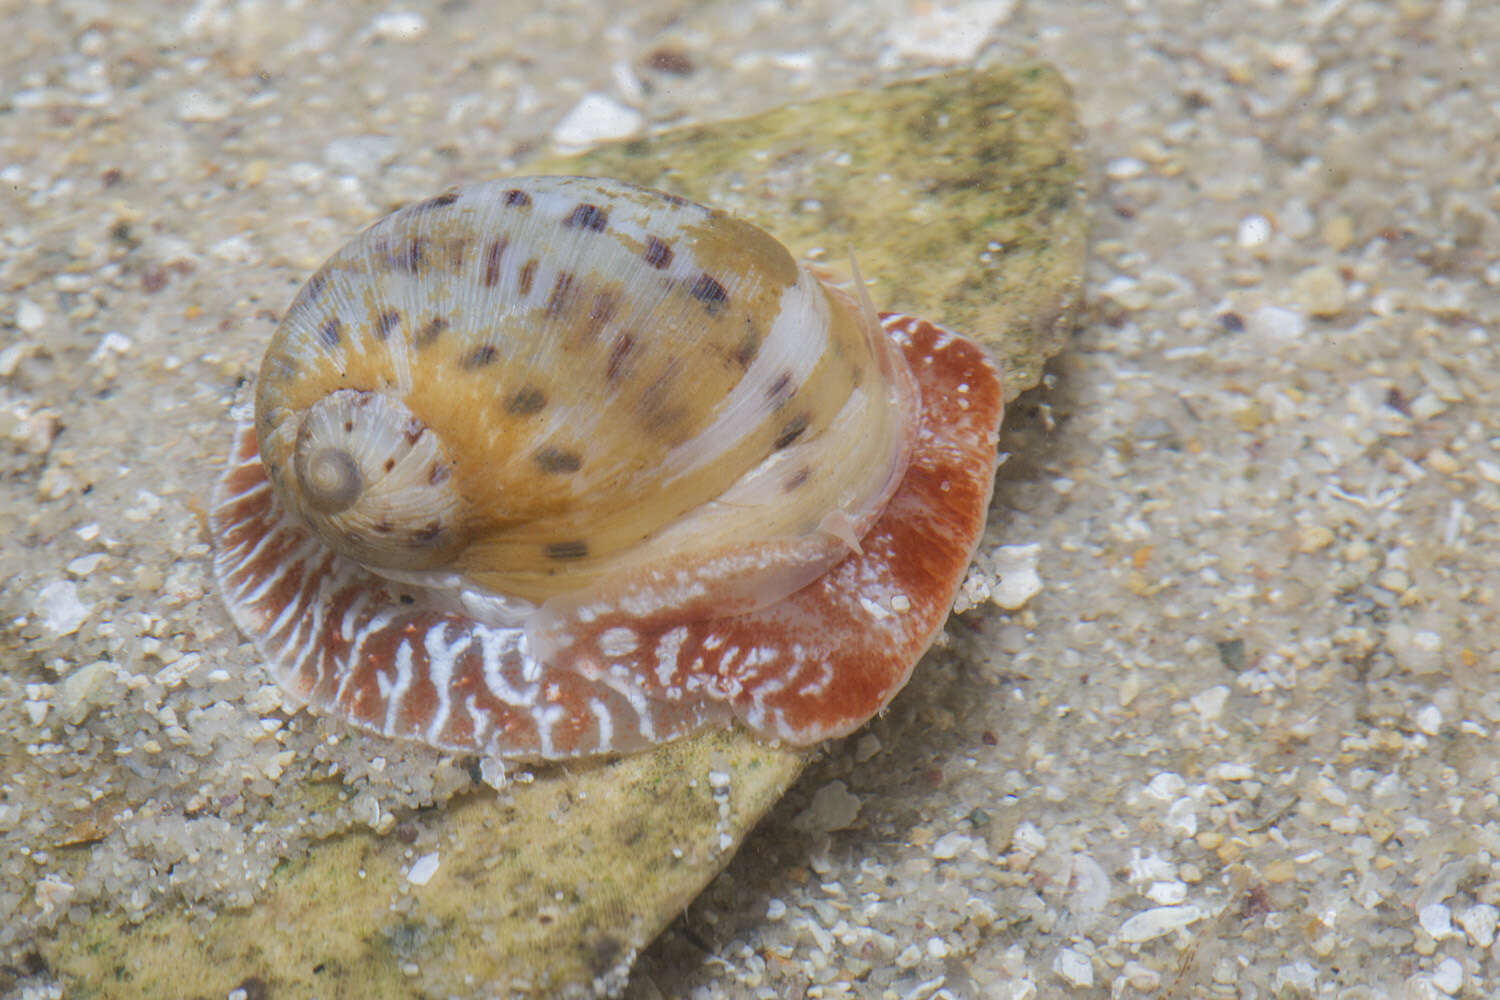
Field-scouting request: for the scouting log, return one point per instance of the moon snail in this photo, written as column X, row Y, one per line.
column 557, row 466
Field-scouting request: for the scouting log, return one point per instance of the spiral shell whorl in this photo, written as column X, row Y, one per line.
column 372, row 480
column 621, row 377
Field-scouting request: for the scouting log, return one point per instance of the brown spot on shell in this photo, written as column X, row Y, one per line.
column 390, row 464
column 528, row 275
column 680, row 202
column 661, row 415
column 602, row 310
column 386, row 322
column 431, row 329
column 411, row 258
column 666, row 60
column 429, row 534
column 331, row 332
column 618, row 352
column 315, row 286
column 658, row 253
column 708, row 291
column 438, row 201
column 438, row 474
column 492, row 254
column 563, row 293
column 517, row 198
column 525, row 401
column 791, row 432
column 797, row 478
column 414, row 430
column 557, row 461
column 748, row 347
column 779, row 391
column 561, row 551
column 481, row 356
column 586, row 216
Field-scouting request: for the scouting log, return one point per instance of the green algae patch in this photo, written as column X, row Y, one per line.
column 961, row 199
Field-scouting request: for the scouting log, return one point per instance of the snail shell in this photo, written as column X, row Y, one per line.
column 558, row 465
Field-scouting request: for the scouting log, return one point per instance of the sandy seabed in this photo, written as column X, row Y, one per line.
column 1242, row 742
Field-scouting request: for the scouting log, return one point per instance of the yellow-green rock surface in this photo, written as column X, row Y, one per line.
column 960, row 196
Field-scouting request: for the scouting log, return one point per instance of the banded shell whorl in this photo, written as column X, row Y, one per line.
column 550, row 466
column 607, row 379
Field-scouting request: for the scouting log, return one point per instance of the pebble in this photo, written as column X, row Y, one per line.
column 1420, row 987
column 833, row 807
column 196, row 106
column 82, row 689
column 112, row 342
column 1028, row 839
column 1253, row 231
column 1142, row 977
column 1419, row 651
column 948, row 34
column 423, row 869
column 399, row 26
column 1017, row 579
column 1296, row 978
column 594, row 119
column 53, row 893
column 1313, row 538
column 1479, row 922
column 951, row 845
column 1429, row 719
column 84, row 565
column 1436, row 920
column 1073, row 967
column 1182, row 817
column 1448, row 975
column 1125, row 168
column 12, row 356
column 1157, row 921
column 1165, row 786
column 1126, row 292
column 1227, row 771
column 29, row 316
column 1277, row 323
column 61, row 609
column 1338, row 233
column 1167, row 893
column 1210, row 703
column 1319, row 291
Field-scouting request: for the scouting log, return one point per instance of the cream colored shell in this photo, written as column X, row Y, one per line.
column 543, row 388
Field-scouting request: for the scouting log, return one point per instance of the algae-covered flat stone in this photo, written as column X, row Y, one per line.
column 960, row 197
